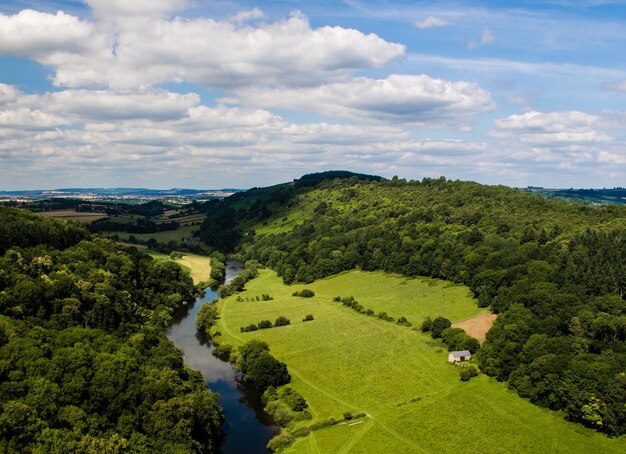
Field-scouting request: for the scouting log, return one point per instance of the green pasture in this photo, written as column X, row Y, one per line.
column 346, row 361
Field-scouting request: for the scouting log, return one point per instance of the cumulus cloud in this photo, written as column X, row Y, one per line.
column 8, row 94
column 214, row 53
column 486, row 37
column 35, row 34
column 417, row 100
column 552, row 128
column 431, row 22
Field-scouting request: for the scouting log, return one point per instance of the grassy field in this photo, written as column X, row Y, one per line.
column 72, row 215
column 345, row 361
column 199, row 266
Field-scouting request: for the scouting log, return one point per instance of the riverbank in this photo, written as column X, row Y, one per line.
column 247, row 428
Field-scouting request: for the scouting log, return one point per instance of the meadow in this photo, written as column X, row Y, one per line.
column 346, row 361
column 199, row 266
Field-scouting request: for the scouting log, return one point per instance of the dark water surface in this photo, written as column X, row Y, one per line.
column 248, row 428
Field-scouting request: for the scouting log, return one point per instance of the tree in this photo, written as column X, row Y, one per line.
column 438, row 325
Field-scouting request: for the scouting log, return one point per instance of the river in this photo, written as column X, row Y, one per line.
column 247, row 428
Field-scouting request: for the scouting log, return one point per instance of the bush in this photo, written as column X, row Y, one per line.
column 223, row 352
column 468, row 372
column 282, row 440
column 322, row 424
column 427, row 324
column 438, row 325
column 282, row 321
column 206, row 317
column 303, row 415
column 347, row 415
column 265, row 324
column 404, row 322
column 308, row 318
column 292, row 398
column 301, row 432
column 305, row 293
column 282, row 417
column 245, row 329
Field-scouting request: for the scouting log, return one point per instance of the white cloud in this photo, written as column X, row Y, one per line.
column 105, row 105
column 248, row 15
column 417, row 100
column 8, row 94
column 486, row 37
column 116, row 9
column 34, row 34
column 563, row 130
column 431, row 22
column 219, row 54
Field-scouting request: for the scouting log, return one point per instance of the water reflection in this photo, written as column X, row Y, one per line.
column 248, row 428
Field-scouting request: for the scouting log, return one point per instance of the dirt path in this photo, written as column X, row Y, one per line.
column 478, row 326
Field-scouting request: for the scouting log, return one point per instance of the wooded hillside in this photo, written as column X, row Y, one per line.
column 85, row 365
column 554, row 271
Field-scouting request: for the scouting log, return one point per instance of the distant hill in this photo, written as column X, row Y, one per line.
column 590, row 196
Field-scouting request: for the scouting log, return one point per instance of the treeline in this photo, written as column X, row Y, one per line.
column 142, row 225
column 554, row 271
column 85, row 365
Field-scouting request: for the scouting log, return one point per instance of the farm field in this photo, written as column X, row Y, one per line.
column 346, row 361
column 73, row 215
column 477, row 326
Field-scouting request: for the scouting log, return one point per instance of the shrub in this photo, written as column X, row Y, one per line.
column 427, row 324
column 292, row 398
column 301, row 432
column 223, row 352
column 251, row 327
column 308, row 318
column 282, row 321
column 438, row 325
column 404, row 322
column 302, row 416
column 265, row 324
column 305, row 293
column 468, row 372
column 282, row 440
column 282, row 416
column 206, row 317
column 347, row 415
column 322, row 424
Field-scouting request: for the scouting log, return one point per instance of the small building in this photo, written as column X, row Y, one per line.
column 463, row 355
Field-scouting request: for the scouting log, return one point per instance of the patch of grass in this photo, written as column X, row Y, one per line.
column 344, row 361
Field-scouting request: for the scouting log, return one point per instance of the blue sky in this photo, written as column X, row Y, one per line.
column 206, row 94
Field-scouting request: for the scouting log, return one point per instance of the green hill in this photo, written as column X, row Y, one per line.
column 554, row 271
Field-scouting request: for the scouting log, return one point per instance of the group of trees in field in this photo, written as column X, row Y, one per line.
column 266, row 324
column 555, row 272
column 85, row 365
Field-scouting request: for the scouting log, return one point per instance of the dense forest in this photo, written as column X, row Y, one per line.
column 85, row 366
column 555, row 272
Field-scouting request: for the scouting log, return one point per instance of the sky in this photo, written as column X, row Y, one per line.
column 228, row 93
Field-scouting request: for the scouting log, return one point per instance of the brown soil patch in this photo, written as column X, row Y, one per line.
column 478, row 326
